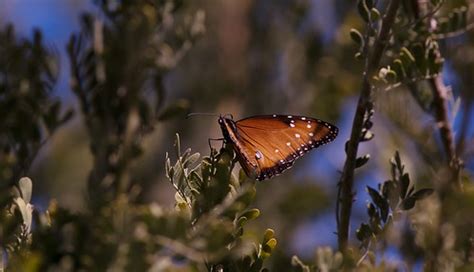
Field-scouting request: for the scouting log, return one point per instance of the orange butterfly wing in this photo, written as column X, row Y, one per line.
column 267, row 145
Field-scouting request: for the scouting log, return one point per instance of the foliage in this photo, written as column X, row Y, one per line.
column 209, row 194
column 122, row 62
column 399, row 48
column 30, row 115
column 115, row 66
column 388, row 202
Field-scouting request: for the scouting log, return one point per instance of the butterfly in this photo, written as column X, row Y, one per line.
column 267, row 145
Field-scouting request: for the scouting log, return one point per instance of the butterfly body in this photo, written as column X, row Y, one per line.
column 267, row 145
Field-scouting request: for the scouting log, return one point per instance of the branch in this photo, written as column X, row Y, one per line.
column 364, row 105
column 453, row 34
column 440, row 93
column 440, row 103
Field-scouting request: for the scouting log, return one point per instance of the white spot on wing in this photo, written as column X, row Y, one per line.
column 276, row 150
column 289, row 116
column 297, row 135
column 311, row 134
column 308, row 126
column 258, row 155
column 303, row 118
column 288, row 143
column 274, row 115
column 292, row 125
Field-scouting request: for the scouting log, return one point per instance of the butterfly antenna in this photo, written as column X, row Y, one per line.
column 201, row 114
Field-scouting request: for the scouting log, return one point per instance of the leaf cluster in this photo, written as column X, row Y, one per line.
column 30, row 114
column 117, row 68
column 392, row 197
column 208, row 193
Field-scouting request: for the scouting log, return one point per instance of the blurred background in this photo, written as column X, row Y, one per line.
column 261, row 57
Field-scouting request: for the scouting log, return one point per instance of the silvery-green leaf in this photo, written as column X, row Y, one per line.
column 26, row 188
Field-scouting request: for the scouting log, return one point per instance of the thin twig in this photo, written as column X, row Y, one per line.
column 363, row 106
column 409, row 81
column 180, row 248
column 362, row 258
column 453, row 34
column 419, row 19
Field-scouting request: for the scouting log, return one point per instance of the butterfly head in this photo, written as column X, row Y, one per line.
column 228, row 127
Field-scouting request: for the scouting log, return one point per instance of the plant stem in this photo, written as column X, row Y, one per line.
column 364, row 104
column 440, row 102
column 441, row 114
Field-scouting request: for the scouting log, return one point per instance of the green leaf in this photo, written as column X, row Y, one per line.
column 298, row 265
column 247, row 197
column 360, row 161
column 364, row 10
column 391, row 76
column 406, row 56
column 364, row 232
column 269, row 234
column 246, row 262
column 191, row 160
column 462, row 11
column 376, row 197
column 443, row 25
column 411, row 190
column 380, row 201
column 420, row 59
column 357, row 37
column 268, row 248
column 26, row 188
column 397, row 162
column 387, row 188
column 256, row 266
column 374, row 14
column 397, row 66
column 454, row 20
column 371, row 210
column 241, row 221
column 408, row 203
column 422, row 193
column 26, row 211
column 369, row 135
column 251, row 214
column 404, row 185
